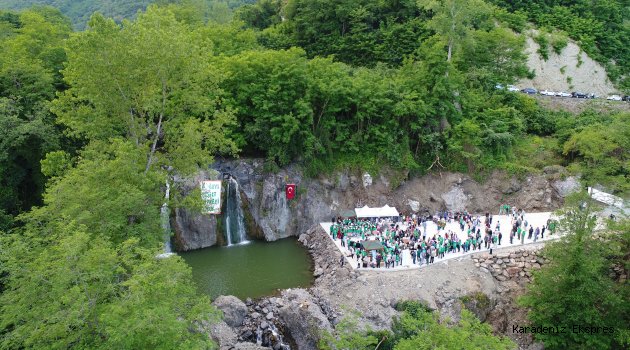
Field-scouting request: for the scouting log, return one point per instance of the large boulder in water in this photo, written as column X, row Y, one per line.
column 234, row 310
column 303, row 318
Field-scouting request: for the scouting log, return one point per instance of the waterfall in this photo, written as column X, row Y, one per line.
column 270, row 337
column 234, row 218
column 165, row 223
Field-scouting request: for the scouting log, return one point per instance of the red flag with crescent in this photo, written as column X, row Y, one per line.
column 290, row 191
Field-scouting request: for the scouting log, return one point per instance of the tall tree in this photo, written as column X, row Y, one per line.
column 454, row 19
column 32, row 54
column 575, row 289
column 144, row 81
column 84, row 292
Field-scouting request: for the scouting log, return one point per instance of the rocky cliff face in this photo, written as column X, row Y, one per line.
column 194, row 230
column 271, row 216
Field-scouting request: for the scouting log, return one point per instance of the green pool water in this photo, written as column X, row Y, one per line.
column 253, row 269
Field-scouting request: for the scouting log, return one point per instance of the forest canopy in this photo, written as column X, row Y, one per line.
column 95, row 123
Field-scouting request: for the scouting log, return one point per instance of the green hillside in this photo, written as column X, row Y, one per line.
column 79, row 11
column 363, row 32
column 102, row 130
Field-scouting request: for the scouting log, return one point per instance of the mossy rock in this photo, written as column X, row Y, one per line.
column 479, row 304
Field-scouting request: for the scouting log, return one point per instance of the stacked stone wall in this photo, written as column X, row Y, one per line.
column 514, row 265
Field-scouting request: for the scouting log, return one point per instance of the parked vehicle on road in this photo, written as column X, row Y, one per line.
column 512, row 88
column 499, row 87
column 563, row 94
column 614, row 98
column 529, row 91
column 626, row 98
column 547, row 93
column 579, row 95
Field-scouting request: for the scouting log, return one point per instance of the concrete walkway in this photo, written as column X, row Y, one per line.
column 533, row 219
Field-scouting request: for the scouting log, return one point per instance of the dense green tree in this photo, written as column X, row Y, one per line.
column 268, row 91
column 454, row 19
column 108, row 192
column 357, row 32
column 81, row 10
column 493, row 56
column 575, row 287
column 81, row 270
column 83, row 292
column 417, row 328
column 602, row 152
column 426, row 332
column 33, row 54
column 142, row 80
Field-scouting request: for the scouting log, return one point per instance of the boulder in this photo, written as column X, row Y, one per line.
column 455, row 199
column 249, row 346
column 367, row 180
column 234, row 310
column 414, row 205
column 303, row 318
column 223, row 335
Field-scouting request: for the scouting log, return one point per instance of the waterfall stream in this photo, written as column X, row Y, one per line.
column 234, row 218
column 270, row 337
column 165, row 223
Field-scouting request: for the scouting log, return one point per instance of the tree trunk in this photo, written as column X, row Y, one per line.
column 159, row 129
column 155, row 140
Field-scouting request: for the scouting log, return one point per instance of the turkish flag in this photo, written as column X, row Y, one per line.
column 290, row 191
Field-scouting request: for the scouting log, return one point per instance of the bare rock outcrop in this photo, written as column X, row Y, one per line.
column 193, row 230
column 321, row 198
column 303, row 318
column 234, row 310
column 223, row 335
column 571, row 70
column 270, row 215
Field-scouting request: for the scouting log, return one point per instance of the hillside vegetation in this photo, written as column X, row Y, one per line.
column 600, row 26
column 94, row 124
column 80, row 11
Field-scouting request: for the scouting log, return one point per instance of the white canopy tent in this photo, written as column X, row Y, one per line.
column 385, row 211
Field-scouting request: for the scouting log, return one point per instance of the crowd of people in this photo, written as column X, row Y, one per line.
column 428, row 239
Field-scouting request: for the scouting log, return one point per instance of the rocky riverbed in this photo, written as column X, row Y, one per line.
column 486, row 285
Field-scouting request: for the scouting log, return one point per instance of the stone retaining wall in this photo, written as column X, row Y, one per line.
column 515, row 265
